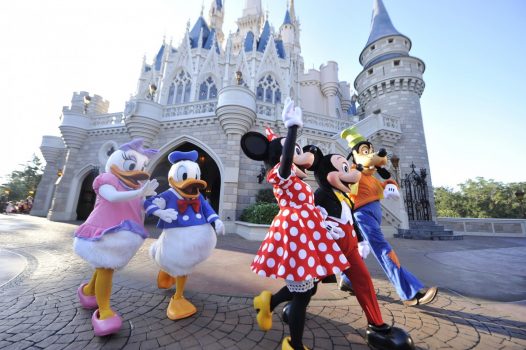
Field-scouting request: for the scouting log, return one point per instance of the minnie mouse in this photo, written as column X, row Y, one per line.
column 298, row 247
column 335, row 176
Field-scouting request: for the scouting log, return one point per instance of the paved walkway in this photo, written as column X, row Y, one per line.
column 38, row 307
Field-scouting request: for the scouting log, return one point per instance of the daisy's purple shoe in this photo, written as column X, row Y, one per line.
column 105, row 327
column 86, row 301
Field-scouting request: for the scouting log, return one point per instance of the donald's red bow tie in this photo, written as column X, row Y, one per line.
column 182, row 204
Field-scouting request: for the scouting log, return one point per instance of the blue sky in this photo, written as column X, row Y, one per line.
column 472, row 105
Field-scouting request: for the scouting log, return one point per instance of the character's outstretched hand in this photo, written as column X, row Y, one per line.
column 291, row 115
column 391, row 192
column 364, row 249
column 166, row 215
column 219, row 227
column 335, row 230
column 149, row 188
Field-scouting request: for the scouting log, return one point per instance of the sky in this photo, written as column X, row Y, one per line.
column 472, row 105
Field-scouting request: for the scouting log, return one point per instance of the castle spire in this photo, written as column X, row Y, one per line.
column 381, row 25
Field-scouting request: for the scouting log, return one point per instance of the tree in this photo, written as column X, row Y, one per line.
column 480, row 198
column 23, row 183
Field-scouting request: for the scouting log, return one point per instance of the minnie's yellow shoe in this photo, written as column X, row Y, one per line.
column 180, row 308
column 286, row 345
column 262, row 305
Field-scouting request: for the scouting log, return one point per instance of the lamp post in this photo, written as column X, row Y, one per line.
column 87, row 101
column 520, row 197
column 239, row 77
column 152, row 89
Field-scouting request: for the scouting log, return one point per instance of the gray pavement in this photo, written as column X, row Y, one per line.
column 480, row 304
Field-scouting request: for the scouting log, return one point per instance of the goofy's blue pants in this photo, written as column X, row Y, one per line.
column 369, row 219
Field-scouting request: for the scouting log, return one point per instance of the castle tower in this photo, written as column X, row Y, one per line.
column 391, row 84
column 216, row 17
column 289, row 31
column 252, row 20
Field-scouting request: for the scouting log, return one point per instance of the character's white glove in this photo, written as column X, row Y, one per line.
column 167, row 215
column 335, row 230
column 159, row 203
column 219, row 227
column 391, row 192
column 149, row 188
column 290, row 115
column 323, row 212
column 364, row 249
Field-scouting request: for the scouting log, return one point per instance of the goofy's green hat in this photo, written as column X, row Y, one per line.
column 352, row 136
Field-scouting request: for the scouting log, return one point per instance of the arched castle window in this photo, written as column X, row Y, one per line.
column 181, row 86
column 268, row 90
column 207, row 89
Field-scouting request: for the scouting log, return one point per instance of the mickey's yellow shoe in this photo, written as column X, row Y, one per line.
column 262, row 305
column 180, row 308
column 286, row 345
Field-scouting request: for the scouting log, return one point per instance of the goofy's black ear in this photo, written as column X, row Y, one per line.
column 318, row 156
column 384, row 173
column 255, row 145
column 350, row 157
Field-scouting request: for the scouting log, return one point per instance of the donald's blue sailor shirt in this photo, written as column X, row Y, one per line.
column 187, row 218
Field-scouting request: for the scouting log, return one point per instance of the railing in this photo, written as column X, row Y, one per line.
column 107, row 120
column 485, row 227
column 376, row 122
column 193, row 108
column 324, row 123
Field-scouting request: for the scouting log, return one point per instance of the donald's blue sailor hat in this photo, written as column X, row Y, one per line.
column 177, row 156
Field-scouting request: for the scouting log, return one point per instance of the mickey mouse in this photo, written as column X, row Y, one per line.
column 335, row 177
column 298, row 247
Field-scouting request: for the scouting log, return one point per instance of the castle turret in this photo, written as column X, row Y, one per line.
column 216, row 17
column 53, row 150
column 289, row 31
column 390, row 85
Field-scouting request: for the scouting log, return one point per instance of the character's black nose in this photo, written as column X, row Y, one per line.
column 359, row 167
column 382, row 152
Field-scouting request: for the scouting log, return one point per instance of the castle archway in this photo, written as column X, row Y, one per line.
column 210, row 172
column 87, row 196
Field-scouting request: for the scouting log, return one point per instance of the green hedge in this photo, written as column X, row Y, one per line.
column 260, row 213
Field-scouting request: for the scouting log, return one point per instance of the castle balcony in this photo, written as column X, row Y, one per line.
column 381, row 129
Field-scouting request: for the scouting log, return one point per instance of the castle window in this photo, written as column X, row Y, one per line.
column 207, row 89
column 183, row 83
column 390, row 40
column 370, row 71
column 268, row 90
column 373, row 47
column 396, row 62
column 171, row 93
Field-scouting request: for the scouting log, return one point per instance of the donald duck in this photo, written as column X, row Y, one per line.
column 114, row 231
column 188, row 222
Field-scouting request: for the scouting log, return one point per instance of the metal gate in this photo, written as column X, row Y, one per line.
column 416, row 195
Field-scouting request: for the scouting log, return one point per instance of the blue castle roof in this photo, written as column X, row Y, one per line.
column 208, row 35
column 287, row 19
column 381, row 25
column 219, row 4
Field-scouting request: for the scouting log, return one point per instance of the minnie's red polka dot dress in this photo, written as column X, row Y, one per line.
column 297, row 246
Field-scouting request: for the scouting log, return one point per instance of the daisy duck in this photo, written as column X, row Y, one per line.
column 188, row 223
column 114, row 231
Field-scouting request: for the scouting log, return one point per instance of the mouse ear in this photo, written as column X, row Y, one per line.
column 318, row 156
column 255, row 145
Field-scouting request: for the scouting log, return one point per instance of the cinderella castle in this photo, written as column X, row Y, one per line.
column 208, row 90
